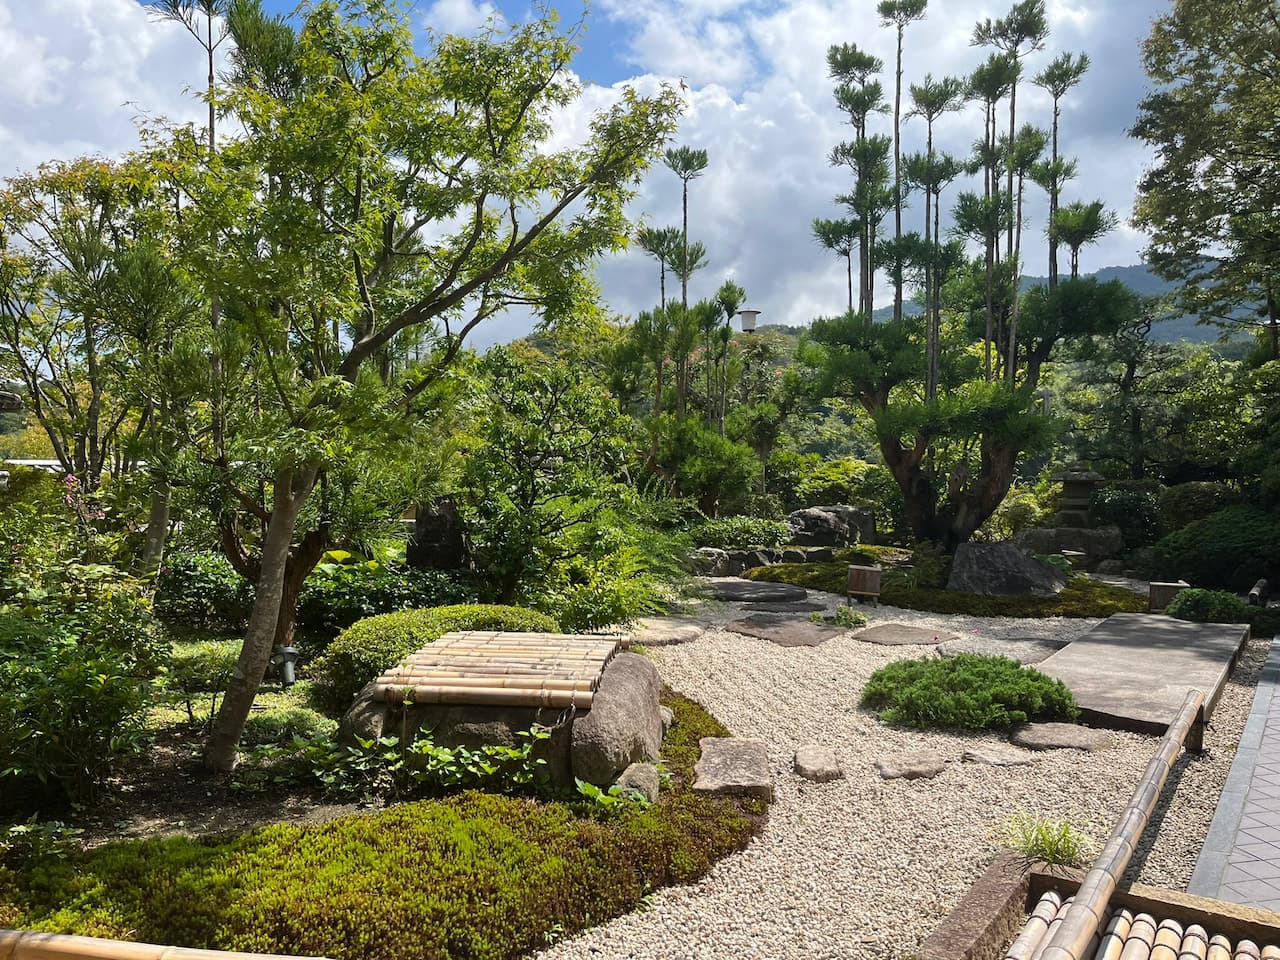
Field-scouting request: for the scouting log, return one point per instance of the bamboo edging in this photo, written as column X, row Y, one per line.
column 1088, row 910
column 35, row 945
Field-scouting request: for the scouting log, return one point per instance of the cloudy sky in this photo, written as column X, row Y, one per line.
column 79, row 73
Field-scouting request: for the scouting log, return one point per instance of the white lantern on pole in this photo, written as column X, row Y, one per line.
column 748, row 318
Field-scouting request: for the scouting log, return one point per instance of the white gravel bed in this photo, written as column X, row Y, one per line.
column 863, row 867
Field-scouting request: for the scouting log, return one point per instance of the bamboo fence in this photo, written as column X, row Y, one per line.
column 502, row 669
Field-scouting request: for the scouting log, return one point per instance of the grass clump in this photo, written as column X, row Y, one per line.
column 369, row 646
column 1082, row 597
column 966, row 692
column 472, row 875
column 1042, row 838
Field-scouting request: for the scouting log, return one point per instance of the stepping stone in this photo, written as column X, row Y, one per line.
column 800, row 606
column 666, row 631
column 750, row 591
column 784, row 631
column 916, row 766
column 732, row 766
column 899, row 634
column 1053, row 736
column 1025, row 650
column 994, row 756
column 818, row 763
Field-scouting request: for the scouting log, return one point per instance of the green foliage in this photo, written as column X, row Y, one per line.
column 701, row 465
column 26, row 844
column 611, row 802
column 201, row 591
column 1230, row 549
column 472, row 875
column 76, row 670
column 337, row 594
column 844, row 616
column 930, row 565
column 738, row 533
column 284, row 726
column 1021, row 509
column 1185, row 503
column 966, row 692
column 1057, row 561
column 1133, row 508
column 1209, row 606
column 368, row 647
column 1082, row 597
column 861, row 484
column 1043, row 838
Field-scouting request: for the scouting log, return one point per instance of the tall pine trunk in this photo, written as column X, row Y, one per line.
column 897, row 177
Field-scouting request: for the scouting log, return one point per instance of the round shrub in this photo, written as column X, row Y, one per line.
column 1209, row 606
column 337, row 595
column 738, row 533
column 369, row 646
column 1230, row 549
column 202, row 591
column 966, row 692
column 1185, row 503
column 1134, row 510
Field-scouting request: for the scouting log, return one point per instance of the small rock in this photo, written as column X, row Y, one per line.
column 819, row 555
column 668, row 718
column 641, row 777
column 1111, row 567
column 1051, row 736
column 916, row 766
column 994, row 756
column 733, row 766
column 793, row 555
column 818, row 763
column 897, row 634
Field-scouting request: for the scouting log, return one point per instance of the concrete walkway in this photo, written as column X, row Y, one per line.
column 1240, row 860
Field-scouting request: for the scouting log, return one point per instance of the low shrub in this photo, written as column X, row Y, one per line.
column 472, row 875
column 1184, row 503
column 966, row 692
column 1135, row 510
column 1082, row 597
column 201, row 592
column 368, row 647
column 284, row 726
column 859, row 483
column 1021, row 509
column 337, row 594
column 740, row 533
column 197, row 668
column 77, row 665
column 1228, row 550
column 1209, row 606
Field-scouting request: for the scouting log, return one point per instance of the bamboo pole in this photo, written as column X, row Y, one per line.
column 1117, row 933
column 486, row 696
column 33, row 945
column 1072, row 938
column 505, row 683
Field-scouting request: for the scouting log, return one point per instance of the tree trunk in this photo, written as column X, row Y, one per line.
column 897, row 177
column 1016, row 263
column 1273, row 324
column 1013, row 100
column 292, row 487
column 1053, row 204
column 157, row 526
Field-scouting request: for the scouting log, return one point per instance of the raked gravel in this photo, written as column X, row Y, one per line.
column 863, row 867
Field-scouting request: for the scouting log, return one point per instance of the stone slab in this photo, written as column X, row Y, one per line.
column 733, row 766
column 916, row 766
column 734, row 589
column 797, row 606
column 997, row 756
column 666, row 631
column 818, row 763
column 1059, row 736
column 783, row 630
column 1133, row 670
column 1025, row 650
column 899, row 634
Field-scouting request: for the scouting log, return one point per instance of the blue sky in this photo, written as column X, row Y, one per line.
column 79, row 73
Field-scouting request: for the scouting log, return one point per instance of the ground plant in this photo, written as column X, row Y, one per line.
column 1046, row 839
column 966, row 692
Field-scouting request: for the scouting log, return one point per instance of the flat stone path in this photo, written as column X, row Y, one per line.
column 1240, row 860
column 1133, row 670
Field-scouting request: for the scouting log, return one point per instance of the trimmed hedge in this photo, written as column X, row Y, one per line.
column 740, row 533
column 1230, row 549
column 369, row 646
column 1219, row 606
column 474, row 875
column 1082, row 597
column 966, row 692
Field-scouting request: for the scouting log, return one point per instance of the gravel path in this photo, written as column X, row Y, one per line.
column 864, row 867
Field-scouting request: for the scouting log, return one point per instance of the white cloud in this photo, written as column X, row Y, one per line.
column 461, row 17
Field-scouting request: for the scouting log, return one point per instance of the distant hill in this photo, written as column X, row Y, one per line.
column 1141, row 280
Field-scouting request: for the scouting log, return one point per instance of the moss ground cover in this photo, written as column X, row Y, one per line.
column 473, row 875
column 1082, row 597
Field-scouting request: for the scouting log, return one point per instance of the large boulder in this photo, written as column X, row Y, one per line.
column 710, row 562
column 624, row 724
column 860, row 520
column 438, row 541
column 1096, row 543
column 837, row 525
column 1002, row 569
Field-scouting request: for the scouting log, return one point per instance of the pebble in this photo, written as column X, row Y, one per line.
column 867, row 868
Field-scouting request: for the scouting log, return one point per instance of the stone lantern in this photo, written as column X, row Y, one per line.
column 1078, row 485
column 748, row 318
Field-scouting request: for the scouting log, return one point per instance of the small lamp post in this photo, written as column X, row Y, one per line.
column 748, row 318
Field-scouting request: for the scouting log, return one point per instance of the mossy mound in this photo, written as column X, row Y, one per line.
column 473, row 875
column 1081, row 598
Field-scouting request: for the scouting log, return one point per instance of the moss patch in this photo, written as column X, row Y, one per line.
column 473, row 875
column 1082, row 596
